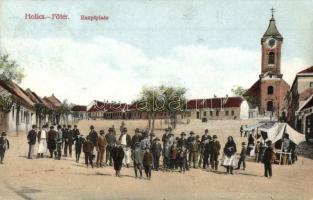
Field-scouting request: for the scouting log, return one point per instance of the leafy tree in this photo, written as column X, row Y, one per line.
column 63, row 111
column 238, row 90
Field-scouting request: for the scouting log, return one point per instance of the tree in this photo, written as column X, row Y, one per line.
column 170, row 100
column 63, row 111
column 238, row 90
column 9, row 71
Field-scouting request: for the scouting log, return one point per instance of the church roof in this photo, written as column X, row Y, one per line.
column 272, row 29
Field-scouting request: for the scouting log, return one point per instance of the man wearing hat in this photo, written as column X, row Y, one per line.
column 4, row 145
column 193, row 155
column 136, row 138
column 189, row 141
column 156, row 149
column 214, row 152
column 88, row 150
column 111, row 139
column 205, row 135
column 206, row 151
column 242, row 158
column 200, row 151
column 125, row 141
column 182, row 142
column 93, row 137
column 51, row 140
column 59, row 142
column 268, row 159
column 101, row 144
column 31, row 137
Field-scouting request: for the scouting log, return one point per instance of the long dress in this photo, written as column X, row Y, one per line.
column 42, row 148
column 118, row 156
column 230, row 154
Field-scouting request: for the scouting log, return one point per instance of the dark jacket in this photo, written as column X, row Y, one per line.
column 111, row 139
column 147, row 159
column 31, row 137
column 76, row 133
column 4, row 144
column 182, row 142
column 156, row 149
column 268, row 155
column 88, row 146
column 215, row 147
column 243, row 152
column 135, row 139
column 93, row 137
column 128, row 140
column 79, row 141
column 207, row 149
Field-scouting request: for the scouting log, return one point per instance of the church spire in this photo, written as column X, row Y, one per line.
column 272, row 29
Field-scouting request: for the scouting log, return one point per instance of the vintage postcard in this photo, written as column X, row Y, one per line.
column 156, row 99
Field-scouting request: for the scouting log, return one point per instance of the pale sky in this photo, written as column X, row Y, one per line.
column 206, row 46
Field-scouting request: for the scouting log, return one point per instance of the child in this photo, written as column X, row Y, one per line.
column 137, row 158
column 243, row 154
column 173, row 157
column 182, row 156
column 4, row 145
column 88, row 150
column 118, row 156
column 147, row 163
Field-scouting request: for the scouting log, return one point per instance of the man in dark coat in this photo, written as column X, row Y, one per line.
column 214, row 152
column 136, row 138
column 156, row 149
column 51, row 137
column 79, row 141
column 88, row 150
column 31, row 137
column 242, row 158
column 68, row 140
column 182, row 142
column 76, row 132
column 147, row 163
column 93, row 137
column 268, row 159
column 206, row 152
column 118, row 156
column 111, row 139
column 4, row 145
column 205, row 135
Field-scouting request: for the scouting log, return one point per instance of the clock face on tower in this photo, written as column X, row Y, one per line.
column 271, row 43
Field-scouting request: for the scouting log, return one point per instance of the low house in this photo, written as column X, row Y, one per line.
column 20, row 114
column 218, row 108
column 79, row 112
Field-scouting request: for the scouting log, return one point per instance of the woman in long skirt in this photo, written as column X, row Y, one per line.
column 230, row 155
column 42, row 140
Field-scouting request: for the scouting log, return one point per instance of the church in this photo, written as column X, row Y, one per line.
column 266, row 95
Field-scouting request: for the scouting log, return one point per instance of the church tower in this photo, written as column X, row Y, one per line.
column 267, row 94
column 271, row 43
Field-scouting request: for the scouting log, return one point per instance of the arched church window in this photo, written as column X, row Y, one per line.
column 269, row 106
column 271, row 58
column 270, row 90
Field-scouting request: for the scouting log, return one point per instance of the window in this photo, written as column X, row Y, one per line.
column 311, row 84
column 270, row 90
column 217, row 113
column 198, row 115
column 13, row 112
column 211, row 113
column 271, row 58
column 226, row 112
column 232, row 113
column 204, row 113
column 270, row 106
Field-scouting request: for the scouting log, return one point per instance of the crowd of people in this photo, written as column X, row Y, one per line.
column 144, row 149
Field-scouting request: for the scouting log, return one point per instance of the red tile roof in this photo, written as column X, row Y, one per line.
column 254, row 90
column 230, row 102
column 307, row 70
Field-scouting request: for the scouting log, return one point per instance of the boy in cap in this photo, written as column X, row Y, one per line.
column 242, row 158
column 4, row 145
column 88, row 150
column 31, row 137
column 147, row 163
column 137, row 158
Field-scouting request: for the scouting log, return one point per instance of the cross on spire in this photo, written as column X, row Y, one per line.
column 272, row 11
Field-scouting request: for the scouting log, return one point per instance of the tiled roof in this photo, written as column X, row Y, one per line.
column 214, row 103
